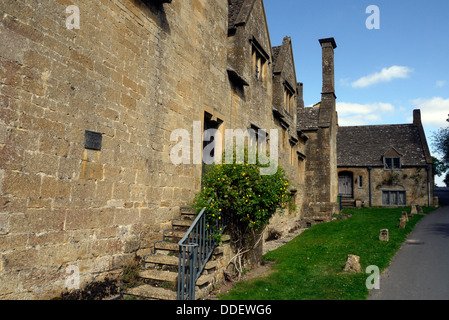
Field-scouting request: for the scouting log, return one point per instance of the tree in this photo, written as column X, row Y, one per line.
column 438, row 167
column 440, row 140
column 441, row 143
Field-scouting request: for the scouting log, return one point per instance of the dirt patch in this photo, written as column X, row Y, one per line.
column 261, row 270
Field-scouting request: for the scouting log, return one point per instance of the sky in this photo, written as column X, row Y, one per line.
column 381, row 74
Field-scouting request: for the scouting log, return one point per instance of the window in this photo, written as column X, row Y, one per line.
column 292, row 153
column 392, row 163
column 288, row 100
column 259, row 61
column 257, row 136
column 393, row 198
column 360, row 181
column 258, row 65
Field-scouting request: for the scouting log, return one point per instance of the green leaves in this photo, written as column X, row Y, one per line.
column 239, row 191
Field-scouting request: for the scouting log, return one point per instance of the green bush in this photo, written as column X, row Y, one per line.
column 243, row 196
column 238, row 190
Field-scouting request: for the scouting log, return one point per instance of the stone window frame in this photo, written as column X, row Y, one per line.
column 360, row 181
column 397, row 193
column 289, row 98
column 258, row 138
column 259, row 61
column 293, row 150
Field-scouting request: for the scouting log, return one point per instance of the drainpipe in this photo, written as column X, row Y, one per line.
column 369, row 185
column 428, row 185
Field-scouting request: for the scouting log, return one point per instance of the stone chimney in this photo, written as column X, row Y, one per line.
column 300, row 98
column 328, row 97
column 417, row 117
column 328, row 45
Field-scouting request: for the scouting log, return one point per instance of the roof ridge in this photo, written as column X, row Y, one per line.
column 379, row 125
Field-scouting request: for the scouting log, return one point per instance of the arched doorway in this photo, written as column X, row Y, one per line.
column 345, row 184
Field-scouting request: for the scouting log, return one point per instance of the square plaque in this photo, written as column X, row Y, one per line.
column 92, row 140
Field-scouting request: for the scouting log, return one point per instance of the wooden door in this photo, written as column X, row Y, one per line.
column 345, row 185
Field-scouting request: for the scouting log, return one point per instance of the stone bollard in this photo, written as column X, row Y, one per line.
column 384, row 235
column 436, row 201
column 413, row 210
column 353, row 264
column 405, row 216
column 402, row 223
column 419, row 209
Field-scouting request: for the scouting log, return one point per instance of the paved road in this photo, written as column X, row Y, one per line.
column 420, row 270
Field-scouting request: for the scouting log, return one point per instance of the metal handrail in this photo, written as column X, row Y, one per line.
column 195, row 250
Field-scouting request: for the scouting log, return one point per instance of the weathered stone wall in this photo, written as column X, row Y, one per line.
column 256, row 102
column 320, row 200
column 411, row 180
column 133, row 72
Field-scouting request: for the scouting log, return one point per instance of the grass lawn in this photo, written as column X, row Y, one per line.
column 310, row 267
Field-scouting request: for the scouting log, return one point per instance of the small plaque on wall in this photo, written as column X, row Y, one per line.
column 92, row 140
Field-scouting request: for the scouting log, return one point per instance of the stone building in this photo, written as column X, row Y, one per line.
column 87, row 116
column 385, row 165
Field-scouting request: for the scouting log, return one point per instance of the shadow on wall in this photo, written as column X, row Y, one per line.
column 155, row 11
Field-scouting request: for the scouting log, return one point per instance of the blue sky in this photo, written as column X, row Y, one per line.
column 381, row 75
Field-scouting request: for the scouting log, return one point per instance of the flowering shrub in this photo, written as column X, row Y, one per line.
column 242, row 195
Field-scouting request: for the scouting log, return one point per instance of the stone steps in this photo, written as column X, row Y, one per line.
column 159, row 273
column 149, row 292
column 347, row 203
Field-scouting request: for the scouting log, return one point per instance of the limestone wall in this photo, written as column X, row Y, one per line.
column 133, row 72
column 412, row 181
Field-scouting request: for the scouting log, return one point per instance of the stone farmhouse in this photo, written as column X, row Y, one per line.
column 87, row 116
column 385, row 165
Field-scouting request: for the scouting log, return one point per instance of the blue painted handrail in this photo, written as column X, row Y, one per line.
column 195, row 250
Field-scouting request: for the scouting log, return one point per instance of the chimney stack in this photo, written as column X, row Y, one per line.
column 300, row 98
column 417, row 117
column 328, row 105
column 328, row 45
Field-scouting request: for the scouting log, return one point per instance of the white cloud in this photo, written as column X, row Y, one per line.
column 440, row 83
column 434, row 111
column 362, row 114
column 385, row 75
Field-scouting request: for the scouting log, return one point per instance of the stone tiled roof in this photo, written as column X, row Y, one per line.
column 308, row 118
column 238, row 11
column 365, row 145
